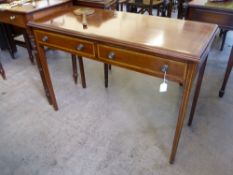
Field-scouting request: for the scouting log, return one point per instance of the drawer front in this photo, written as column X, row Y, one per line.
column 11, row 18
column 144, row 63
column 69, row 44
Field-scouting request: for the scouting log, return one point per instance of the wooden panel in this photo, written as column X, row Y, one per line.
column 142, row 62
column 68, row 44
column 222, row 18
column 12, row 18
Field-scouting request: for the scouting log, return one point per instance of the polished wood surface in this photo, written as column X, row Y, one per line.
column 220, row 13
column 146, row 33
column 145, row 44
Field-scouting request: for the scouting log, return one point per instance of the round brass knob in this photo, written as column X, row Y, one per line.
column 80, row 47
column 45, row 39
column 111, row 55
column 12, row 18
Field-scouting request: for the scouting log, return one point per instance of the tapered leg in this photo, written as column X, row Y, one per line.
column 74, row 66
column 2, row 72
column 28, row 46
column 183, row 106
column 224, row 35
column 227, row 74
column 43, row 79
column 81, row 67
column 43, row 67
column 110, row 67
column 106, row 75
column 197, row 91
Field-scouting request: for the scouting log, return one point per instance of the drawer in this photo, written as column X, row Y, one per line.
column 69, row 44
column 141, row 62
column 11, row 18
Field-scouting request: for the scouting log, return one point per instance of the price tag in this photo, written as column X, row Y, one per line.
column 163, row 87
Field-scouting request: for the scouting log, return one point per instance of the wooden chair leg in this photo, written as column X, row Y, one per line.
column 82, row 73
column 74, row 66
column 106, row 75
column 224, row 35
column 227, row 74
column 28, row 46
column 110, row 67
column 2, row 72
column 197, row 92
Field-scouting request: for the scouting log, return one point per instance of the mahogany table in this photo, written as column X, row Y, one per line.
column 146, row 44
column 220, row 13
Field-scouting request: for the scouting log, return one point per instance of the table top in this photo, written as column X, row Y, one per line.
column 37, row 5
column 226, row 5
column 176, row 38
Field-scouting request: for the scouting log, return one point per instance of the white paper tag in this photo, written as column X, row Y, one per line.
column 163, row 87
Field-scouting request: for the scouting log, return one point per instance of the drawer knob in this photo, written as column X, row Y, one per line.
column 164, row 68
column 45, row 39
column 12, row 18
column 111, row 55
column 80, row 47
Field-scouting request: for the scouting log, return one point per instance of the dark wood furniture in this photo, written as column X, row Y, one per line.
column 104, row 4
column 146, row 5
column 164, row 7
column 110, row 38
column 220, row 13
column 19, row 16
column 6, row 41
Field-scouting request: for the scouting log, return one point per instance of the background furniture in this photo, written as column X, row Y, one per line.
column 220, row 13
column 18, row 17
column 6, row 41
column 164, row 7
column 102, row 4
column 145, row 5
column 152, row 52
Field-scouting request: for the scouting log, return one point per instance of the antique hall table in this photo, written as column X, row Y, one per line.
column 220, row 13
column 147, row 44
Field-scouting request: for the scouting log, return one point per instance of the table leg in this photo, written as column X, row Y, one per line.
column 2, row 72
column 81, row 67
column 227, row 74
column 43, row 67
column 197, row 91
column 180, row 9
column 183, row 107
column 74, row 66
column 28, row 46
column 106, row 74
